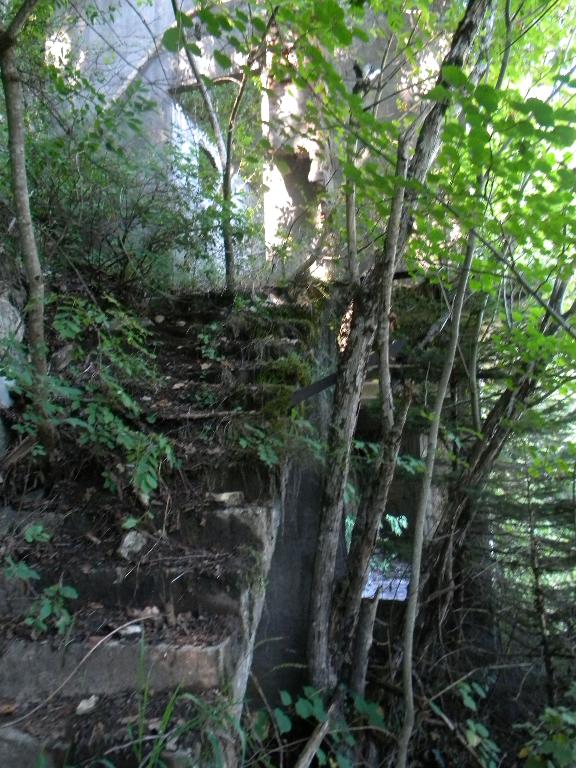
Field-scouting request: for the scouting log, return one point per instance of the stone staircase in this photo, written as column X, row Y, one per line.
column 175, row 605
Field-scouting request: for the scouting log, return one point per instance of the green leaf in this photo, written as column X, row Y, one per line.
column 130, row 522
column 454, row 76
column 488, row 97
column 36, row 533
column 543, row 112
column 45, row 609
column 438, row 93
column 18, row 569
column 69, row 592
column 172, row 39
column 563, row 136
column 282, row 721
column 304, row 709
column 194, row 49
column 285, row 698
column 183, row 19
column 479, row 690
column 472, row 738
column 224, row 61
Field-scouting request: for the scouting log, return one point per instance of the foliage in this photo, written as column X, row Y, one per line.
column 502, row 184
column 306, row 711
column 553, row 738
column 208, row 338
column 263, row 442
column 51, row 609
column 104, row 352
column 128, row 217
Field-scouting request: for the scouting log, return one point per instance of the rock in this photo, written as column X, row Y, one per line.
column 6, row 385
column 182, row 758
column 132, row 544
column 4, row 440
column 62, row 358
column 228, row 499
column 9, row 520
column 87, row 705
column 159, row 319
column 11, row 323
column 131, row 631
column 19, row 750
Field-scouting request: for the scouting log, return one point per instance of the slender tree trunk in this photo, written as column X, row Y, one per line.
column 446, row 554
column 363, row 643
column 431, row 446
column 351, row 374
column 365, row 532
column 351, row 229
column 351, row 234
column 14, row 100
column 224, row 148
column 540, row 606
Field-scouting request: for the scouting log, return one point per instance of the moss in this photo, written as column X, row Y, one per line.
column 292, row 369
column 279, row 400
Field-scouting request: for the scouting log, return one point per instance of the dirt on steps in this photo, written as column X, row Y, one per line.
column 190, row 596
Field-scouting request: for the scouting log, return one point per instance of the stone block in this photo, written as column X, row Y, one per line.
column 19, row 750
column 29, row 671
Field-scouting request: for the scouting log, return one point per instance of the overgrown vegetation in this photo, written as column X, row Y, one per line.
column 435, row 146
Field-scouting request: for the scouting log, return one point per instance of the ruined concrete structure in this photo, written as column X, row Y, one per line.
column 116, row 46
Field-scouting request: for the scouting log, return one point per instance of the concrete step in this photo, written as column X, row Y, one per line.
column 32, row 670
column 199, row 584
column 124, row 728
column 245, row 526
column 191, row 397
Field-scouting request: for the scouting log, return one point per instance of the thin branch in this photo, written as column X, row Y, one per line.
column 18, row 22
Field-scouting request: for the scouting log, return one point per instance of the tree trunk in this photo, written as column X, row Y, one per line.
column 432, row 442
column 366, row 529
column 351, row 376
column 33, row 269
column 352, row 369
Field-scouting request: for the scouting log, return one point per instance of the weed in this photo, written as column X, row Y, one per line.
column 51, row 609
column 208, row 339
column 309, row 708
column 553, row 737
column 90, row 397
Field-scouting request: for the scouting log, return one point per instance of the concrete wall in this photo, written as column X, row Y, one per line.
column 116, row 48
